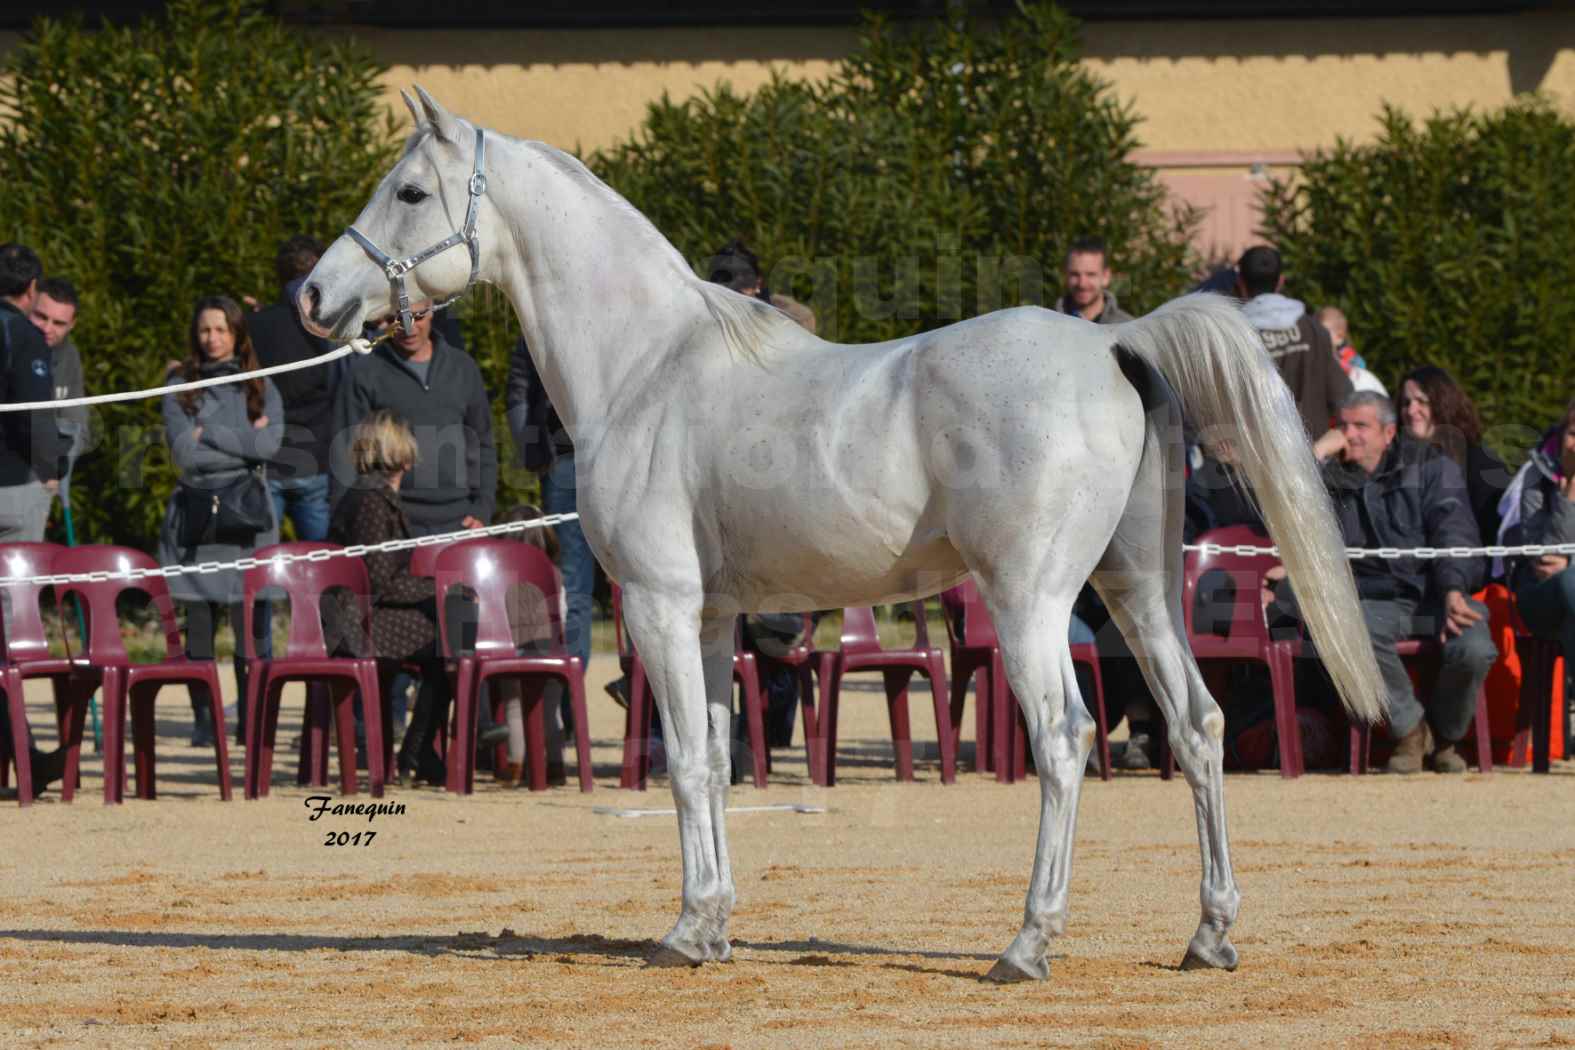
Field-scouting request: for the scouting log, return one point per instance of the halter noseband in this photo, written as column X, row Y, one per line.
column 466, row 235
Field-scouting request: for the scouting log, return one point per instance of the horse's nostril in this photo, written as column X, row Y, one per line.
column 314, row 297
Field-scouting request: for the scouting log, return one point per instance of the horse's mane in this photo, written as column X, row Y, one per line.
column 747, row 324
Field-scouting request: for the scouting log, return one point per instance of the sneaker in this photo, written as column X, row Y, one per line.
column 1447, row 760
column 618, row 689
column 1136, row 754
column 1407, row 757
column 202, row 727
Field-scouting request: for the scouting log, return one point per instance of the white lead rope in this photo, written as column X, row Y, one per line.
column 1530, row 550
column 323, row 554
column 358, row 346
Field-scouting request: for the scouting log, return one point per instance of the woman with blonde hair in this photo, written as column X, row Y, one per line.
column 404, row 606
column 222, row 438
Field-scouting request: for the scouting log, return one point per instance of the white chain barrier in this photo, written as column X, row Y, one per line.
column 354, row 346
column 284, row 558
column 1421, row 553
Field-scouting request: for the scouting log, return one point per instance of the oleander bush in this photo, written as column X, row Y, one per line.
column 159, row 162
column 938, row 172
column 1448, row 241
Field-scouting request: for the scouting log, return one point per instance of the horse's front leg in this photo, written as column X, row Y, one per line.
column 664, row 629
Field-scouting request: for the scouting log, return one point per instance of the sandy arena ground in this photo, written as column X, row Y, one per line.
column 1381, row 912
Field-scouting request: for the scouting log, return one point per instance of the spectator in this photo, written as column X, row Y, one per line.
column 1333, row 320
column 545, row 447
column 1087, row 276
column 1544, row 586
column 1301, row 348
column 221, row 438
column 1391, row 490
column 1435, row 410
column 383, row 450
column 29, row 442
column 531, row 621
column 298, row 475
column 737, row 267
column 55, row 314
column 438, row 391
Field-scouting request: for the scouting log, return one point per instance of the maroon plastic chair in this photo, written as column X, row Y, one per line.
column 1248, row 639
column 489, row 568
column 1539, row 669
column 24, row 651
column 642, row 702
column 637, row 716
column 998, row 724
column 306, row 659
column 1428, row 652
column 860, row 650
column 135, row 686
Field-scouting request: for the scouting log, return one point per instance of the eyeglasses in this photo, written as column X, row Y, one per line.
column 393, row 319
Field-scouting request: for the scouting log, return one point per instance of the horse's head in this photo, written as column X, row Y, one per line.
column 411, row 237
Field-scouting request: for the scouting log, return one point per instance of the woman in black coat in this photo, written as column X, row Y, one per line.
column 1433, row 408
column 404, row 606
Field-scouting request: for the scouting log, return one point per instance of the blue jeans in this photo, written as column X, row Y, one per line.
column 575, row 560
column 306, row 501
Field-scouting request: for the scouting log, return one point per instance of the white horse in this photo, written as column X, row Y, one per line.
column 730, row 460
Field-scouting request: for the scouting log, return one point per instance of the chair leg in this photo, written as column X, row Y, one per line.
column 1103, row 722
column 341, row 701
column 313, row 768
column 943, row 720
column 1361, row 744
column 221, row 742
column 16, row 711
column 748, row 678
column 1282, row 684
column 269, row 736
column 636, row 730
column 582, row 730
column 1536, row 696
column 113, row 687
column 533, row 700
column 806, row 695
column 462, row 748
column 831, row 696
column 896, row 680
column 255, row 718
column 1484, row 734
column 376, row 726
column 141, row 698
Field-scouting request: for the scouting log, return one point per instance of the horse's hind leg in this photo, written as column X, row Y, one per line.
column 1033, row 636
column 1144, row 598
column 688, row 676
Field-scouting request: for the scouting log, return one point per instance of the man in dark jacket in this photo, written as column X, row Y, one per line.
column 1087, row 278
column 298, row 475
column 1300, row 346
column 438, row 390
column 30, row 446
column 1393, row 491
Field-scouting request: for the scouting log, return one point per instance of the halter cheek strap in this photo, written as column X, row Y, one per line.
column 396, row 269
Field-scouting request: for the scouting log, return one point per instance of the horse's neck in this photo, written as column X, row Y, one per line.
column 599, row 296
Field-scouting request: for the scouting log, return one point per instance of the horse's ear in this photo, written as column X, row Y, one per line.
column 443, row 121
column 416, row 116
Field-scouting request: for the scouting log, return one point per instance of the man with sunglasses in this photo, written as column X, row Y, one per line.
column 438, row 390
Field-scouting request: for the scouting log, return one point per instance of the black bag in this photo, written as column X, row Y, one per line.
column 234, row 513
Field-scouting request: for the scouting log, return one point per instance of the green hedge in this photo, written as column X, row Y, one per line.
column 157, row 163
column 1449, row 241
column 910, row 187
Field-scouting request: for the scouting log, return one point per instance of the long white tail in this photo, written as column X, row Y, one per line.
column 1216, row 362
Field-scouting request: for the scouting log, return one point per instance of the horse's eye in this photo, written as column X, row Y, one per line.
column 411, row 195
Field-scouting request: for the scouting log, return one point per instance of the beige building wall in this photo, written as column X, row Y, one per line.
column 1218, row 98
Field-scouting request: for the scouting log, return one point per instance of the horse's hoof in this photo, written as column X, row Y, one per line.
column 1005, row 971
column 665, row 957
column 1221, row 958
column 723, row 953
